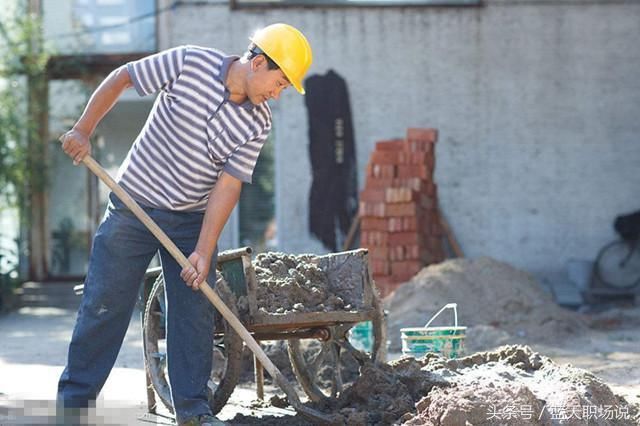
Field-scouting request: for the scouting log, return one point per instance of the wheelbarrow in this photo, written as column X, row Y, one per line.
column 310, row 363
column 228, row 315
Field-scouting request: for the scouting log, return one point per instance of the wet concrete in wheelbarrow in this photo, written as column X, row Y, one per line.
column 308, row 283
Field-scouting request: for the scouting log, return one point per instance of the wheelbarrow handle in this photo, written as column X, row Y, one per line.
column 213, row 297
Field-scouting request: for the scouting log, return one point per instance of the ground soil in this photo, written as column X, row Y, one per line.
column 512, row 385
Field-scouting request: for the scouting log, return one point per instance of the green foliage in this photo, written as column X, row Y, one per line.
column 22, row 62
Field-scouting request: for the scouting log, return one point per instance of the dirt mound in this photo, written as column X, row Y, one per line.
column 515, row 386
column 509, row 303
column 511, row 385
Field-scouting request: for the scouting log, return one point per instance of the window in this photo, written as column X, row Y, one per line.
column 100, row 26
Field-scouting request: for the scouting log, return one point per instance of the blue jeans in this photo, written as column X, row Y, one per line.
column 122, row 249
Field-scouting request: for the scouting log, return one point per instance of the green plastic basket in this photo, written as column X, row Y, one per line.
column 446, row 341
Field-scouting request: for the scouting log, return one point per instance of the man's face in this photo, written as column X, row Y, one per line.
column 264, row 84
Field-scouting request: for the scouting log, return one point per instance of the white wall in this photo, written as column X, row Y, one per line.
column 537, row 106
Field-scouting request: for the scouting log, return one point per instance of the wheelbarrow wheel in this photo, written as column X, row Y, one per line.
column 227, row 349
column 324, row 368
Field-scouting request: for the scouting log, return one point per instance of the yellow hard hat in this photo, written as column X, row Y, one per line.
column 288, row 48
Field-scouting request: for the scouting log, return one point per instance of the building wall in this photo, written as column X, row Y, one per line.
column 537, row 106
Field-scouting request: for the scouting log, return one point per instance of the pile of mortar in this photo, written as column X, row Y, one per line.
column 298, row 283
column 499, row 303
column 511, row 386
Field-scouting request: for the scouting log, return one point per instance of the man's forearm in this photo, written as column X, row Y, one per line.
column 222, row 200
column 103, row 99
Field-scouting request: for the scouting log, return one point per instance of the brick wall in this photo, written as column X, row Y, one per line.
column 399, row 219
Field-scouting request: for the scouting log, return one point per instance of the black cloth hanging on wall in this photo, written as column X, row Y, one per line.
column 333, row 199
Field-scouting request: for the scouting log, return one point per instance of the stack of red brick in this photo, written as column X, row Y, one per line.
column 399, row 209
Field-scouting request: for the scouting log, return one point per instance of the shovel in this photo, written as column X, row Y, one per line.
column 213, row 297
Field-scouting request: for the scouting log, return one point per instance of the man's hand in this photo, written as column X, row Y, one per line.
column 197, row 273
column 76, row 145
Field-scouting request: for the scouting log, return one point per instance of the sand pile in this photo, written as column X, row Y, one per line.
column 498, row 303
column 511, row 385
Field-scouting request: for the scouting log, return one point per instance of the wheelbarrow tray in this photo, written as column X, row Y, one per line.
column 298, row 320
column 348, row 277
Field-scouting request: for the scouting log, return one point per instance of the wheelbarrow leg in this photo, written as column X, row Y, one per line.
column 259, row 375
column 151, row 395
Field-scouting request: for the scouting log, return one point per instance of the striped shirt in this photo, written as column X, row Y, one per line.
column 193, row 132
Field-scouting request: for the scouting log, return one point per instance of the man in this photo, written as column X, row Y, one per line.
column 186, row 169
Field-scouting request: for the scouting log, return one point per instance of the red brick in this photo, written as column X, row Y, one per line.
column 409, row 223
column 403, row 238
column 382, row 170
column 380, row 267
column 422, row 134
column 412, row 252
column 373, row 209
column 391, row 145
column 417, row 146
column 428, row 203
column 385, row 157
column 421, row 171
column 429, row 226
column 390, row 195
column 401, row 209
column 367, row 209
column 405, row 157
column 373, row 195
column 414, row 183
column 378, row 183
column 391, row 224
column 379, row 252
column 368, row 223
column 401, row 195
column 424, row 157
column 396, row 253
column 430, row 189
column 376, row 238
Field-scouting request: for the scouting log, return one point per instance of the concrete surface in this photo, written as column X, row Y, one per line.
column 33, row 351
